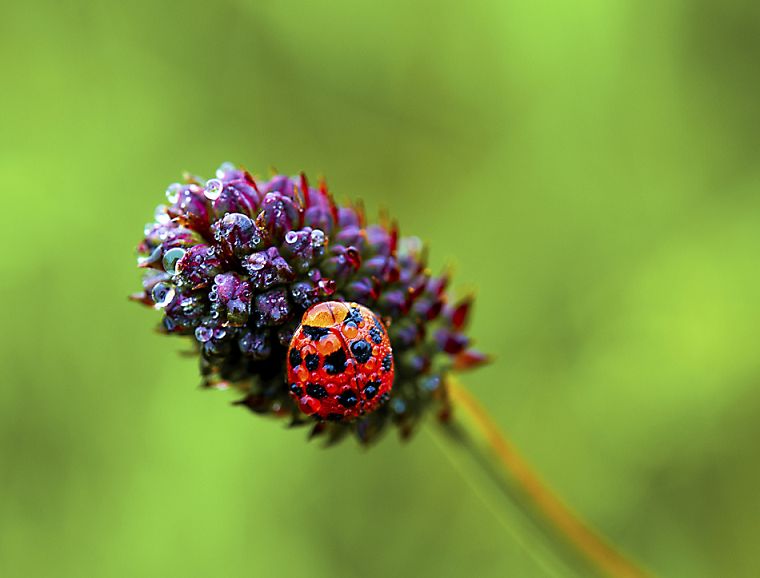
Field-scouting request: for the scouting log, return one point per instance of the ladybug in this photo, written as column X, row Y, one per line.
column 340, row 363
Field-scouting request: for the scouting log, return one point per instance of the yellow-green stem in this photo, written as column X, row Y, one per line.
column 573, row 543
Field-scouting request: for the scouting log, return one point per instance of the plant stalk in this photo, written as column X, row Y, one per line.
column 573, row 547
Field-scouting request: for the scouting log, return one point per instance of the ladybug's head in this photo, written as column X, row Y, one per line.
column 326, row 314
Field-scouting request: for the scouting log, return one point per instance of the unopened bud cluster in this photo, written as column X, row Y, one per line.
column 233, row 263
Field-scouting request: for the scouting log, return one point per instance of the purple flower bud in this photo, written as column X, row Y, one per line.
column 230, row 200
column 349, row 218
column 344, row 262
column 271, row 308
column 304, row 294
column 233, row 297
column 320, row 218
column 198, row 266
column 378, row 240
column 428, row 308
column 236, row 234
column 450, row 341
column 278, row 215
column 190, row 207
column 281, row 184
column 255, row 344
column 362, row 290
column 351, row 236
column 302, row 248
column 395, row 301
column 267, row 268
column 233, row 264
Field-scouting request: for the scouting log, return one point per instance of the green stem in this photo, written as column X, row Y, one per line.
column 567, row 544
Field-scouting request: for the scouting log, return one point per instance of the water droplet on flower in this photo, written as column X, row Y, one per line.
column 161, row 216
column 163, row 294
column 203, row 334
column 220, row 333
column 317, row 238
column 257, row 262
column 291, row 237
column 214, row 188
column 170, row 259
column 172, row 192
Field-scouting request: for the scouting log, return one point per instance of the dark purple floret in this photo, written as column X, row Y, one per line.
column 233, row 263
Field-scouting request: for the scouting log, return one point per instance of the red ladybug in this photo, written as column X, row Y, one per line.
column 340, row 363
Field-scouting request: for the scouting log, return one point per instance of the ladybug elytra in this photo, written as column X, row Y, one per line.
column 340, row 363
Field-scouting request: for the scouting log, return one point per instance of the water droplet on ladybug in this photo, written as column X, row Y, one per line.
column 309, row 405
column 350, row 330
column 328, row 344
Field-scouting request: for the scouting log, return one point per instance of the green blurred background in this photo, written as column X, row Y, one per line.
column 590, row 168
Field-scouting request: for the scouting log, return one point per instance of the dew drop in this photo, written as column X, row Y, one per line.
column 291, row 237
column 350, row 330
column 163, row 294
column 328, row 344
column 213, row 189
column 203, row 334
column 170, row 259
column 317, row 238
column 172, row 192
column 161, row 216
column 309, row 405
column 257, row 262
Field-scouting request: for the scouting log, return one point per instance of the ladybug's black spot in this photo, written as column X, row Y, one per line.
column 376, row 335
column 296, row 389
column 315, row 333
column 362, row 350
column 334, row 417
column 387, row 361
column 370, row 390
column 354, row 315
column 348, row 398
column 316, row 390
column 335, row 363
column 295, row 357
column 312, row 361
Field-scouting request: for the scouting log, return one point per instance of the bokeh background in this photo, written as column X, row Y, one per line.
column 589, row 168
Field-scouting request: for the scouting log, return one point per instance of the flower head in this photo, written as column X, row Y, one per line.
column 234, row 264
